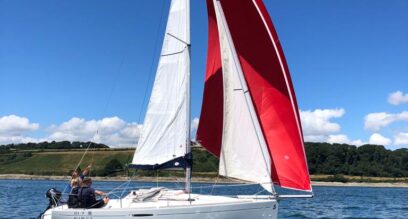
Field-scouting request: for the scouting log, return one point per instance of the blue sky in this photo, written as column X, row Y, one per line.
column 68, row 66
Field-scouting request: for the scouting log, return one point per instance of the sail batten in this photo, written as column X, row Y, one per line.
column 165, row 132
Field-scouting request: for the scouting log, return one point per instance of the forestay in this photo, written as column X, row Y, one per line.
column 165, row 129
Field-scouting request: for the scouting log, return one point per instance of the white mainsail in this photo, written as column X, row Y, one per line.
column 244, row 154
column 165, row 132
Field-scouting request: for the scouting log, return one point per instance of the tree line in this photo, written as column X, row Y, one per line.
column 366, row 160
column 50, row 145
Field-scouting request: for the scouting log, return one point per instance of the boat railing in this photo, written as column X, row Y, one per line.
column 119, row 191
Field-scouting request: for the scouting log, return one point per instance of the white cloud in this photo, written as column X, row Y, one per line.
column 81, row 127
column 131, row 131
column 343, row 139
column 378, row 139
column 112, row 131
column 315, row 138
column 16, row 139
column 13, row 128
column 358, row 142
column 318, row 127
column 401, row 139
column 398, row 98
column 375, row 121
column 15, row 125
column 115, row 132
column 317, row 122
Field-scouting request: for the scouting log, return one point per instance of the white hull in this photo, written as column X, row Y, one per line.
column 174, row 205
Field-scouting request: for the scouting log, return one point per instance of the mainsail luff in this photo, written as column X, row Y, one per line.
column 165, row 136
column 267, row 76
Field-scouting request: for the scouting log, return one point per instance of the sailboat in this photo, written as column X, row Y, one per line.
column 249, row 120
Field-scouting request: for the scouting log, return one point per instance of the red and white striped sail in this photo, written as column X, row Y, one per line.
column 250, row 116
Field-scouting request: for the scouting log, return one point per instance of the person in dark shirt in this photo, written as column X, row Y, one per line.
column 73, row 199
column 87, row 195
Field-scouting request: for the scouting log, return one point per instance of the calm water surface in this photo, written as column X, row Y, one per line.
column 26, row 199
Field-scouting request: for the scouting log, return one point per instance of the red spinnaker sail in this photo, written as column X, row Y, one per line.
column 268, row 79
column 209, row 132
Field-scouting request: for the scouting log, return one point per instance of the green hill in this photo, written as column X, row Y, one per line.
column 60, row 158
column 60, row 162
column 105, row 162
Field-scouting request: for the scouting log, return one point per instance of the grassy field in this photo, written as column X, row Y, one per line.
column 62, row 162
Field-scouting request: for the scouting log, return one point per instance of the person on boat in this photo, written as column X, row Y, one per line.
column 87, row 196
column 75, row 177
column 73, row 199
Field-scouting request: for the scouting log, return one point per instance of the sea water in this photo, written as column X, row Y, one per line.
column 26, row 199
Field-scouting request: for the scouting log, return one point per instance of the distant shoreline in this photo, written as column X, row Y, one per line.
column 199, row 180
column 361, row 184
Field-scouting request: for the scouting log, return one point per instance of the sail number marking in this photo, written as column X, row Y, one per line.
column 83, row 215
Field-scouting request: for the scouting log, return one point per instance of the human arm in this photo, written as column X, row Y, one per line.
column 86, row 171
column 100, row 193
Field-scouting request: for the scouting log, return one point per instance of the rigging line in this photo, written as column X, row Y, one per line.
column 115, row 81
column 92, row 160
column 216, row 182
column 178, row 39
column 151, row 73
column 104, row 111
column 126, row 183
column 127, row 186
column 117, row 188
column 129, row 179
column 152, row 64
column 175, row 53
column 83, row 155
column 157, row 178
column 117, row 76
column 77, row 166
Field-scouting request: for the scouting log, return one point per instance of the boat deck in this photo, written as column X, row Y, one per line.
column 162, row 198
column 160, row 203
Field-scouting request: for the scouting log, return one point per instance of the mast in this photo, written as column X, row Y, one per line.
column 188, row 156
